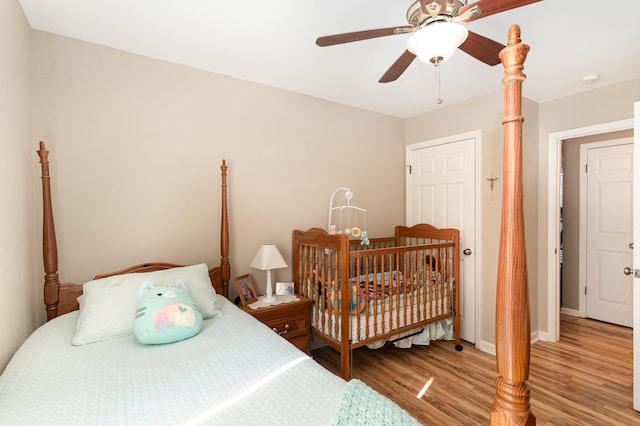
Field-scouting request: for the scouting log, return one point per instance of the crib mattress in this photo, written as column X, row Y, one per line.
column 371, row 323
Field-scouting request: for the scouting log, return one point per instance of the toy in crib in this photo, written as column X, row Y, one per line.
column 357, row 301
column 365, row 239
column 352, row 213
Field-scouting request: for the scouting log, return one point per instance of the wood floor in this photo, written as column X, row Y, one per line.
column 585, row 379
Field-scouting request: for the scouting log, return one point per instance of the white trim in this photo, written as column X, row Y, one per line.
column 553, row 231
column 571, row 312
column 490, row 348
column 636, row 258
column 535, row 336
column 582, row 233
column 487, row 347
column 477, row 136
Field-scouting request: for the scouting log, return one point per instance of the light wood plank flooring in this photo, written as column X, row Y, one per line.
column 585, row 379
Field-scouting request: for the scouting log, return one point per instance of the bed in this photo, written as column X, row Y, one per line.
column 403, row 289
column 85, row 365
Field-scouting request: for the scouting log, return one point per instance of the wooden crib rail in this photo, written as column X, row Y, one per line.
column 373, row 243
column 423, row 232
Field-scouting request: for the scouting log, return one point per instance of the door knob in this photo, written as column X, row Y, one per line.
column 466, row 251
column 631, row 246
column 627, row 271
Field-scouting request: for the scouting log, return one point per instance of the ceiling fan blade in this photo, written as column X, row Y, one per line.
column 482, row 48
column 398, row 67
column 362, row 35
column 491, row 7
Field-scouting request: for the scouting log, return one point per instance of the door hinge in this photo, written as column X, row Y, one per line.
column 585, row 289
column 586, row 168
column 409, row 167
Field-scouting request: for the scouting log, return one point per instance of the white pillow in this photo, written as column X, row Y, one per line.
column 108, row 305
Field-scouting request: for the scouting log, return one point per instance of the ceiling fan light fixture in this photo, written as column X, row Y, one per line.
column 437, row 40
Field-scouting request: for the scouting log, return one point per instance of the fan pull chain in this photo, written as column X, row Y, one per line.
column 436, row 62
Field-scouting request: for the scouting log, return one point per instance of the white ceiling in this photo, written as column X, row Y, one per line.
column 273, row 43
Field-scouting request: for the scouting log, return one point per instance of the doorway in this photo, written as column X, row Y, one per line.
column 554, row 155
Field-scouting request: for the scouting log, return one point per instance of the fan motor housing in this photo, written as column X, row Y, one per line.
column 417, row 18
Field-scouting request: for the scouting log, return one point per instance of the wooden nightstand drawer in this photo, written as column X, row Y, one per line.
column 290, row 320
column 290, row 327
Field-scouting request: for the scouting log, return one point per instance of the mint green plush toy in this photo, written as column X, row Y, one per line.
column 166, row 314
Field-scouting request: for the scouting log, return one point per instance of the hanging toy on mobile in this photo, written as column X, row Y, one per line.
column 351, row 212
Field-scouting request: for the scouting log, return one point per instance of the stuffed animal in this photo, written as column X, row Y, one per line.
column 166, row 314
column 356, row 298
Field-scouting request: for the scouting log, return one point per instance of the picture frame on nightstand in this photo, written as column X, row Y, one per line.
column 246, row 290
column 284, row 289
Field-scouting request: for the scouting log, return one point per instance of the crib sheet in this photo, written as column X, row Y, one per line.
column 376, row 318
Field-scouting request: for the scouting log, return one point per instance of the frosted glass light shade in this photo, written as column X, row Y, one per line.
column 439, row 39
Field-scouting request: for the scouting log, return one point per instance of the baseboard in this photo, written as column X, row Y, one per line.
column 535, row 336
column 490, row 348
column 543, row 336
column 571, row 312
column 487, row 347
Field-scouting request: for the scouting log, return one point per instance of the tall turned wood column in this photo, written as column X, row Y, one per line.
column 225, row 267
column 49, row 245
column 513, row 330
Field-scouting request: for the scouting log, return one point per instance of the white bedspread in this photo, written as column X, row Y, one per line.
column 233, row 372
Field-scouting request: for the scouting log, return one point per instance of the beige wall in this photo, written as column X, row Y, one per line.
column 136, row 145
column 17, row 243
column 485, row 114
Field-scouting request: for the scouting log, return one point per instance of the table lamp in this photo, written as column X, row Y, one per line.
column 268, row 258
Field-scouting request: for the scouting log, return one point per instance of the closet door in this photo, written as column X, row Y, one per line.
column 441, row 191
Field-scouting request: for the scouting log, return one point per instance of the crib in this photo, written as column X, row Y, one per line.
column 395, row 286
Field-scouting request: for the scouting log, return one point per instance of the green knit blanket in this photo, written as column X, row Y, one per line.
column 361, row 405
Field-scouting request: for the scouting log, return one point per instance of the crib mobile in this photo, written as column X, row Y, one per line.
column 347, row 213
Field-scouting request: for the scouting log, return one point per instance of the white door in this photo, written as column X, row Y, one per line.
column 609, row 234
column 636, row 259
column 441, row 191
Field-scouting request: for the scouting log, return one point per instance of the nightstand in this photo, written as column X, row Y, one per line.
column 290, row 320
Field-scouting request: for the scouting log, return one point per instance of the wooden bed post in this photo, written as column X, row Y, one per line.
column 513, row 330
column 49, row 244
column 225, row 268
column 345, row 314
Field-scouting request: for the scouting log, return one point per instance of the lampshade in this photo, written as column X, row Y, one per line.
column 268, row 257
column 437, row 40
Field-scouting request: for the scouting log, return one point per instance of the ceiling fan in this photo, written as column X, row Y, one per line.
column 437, row 20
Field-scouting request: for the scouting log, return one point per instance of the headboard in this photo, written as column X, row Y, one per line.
column 60, row 298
